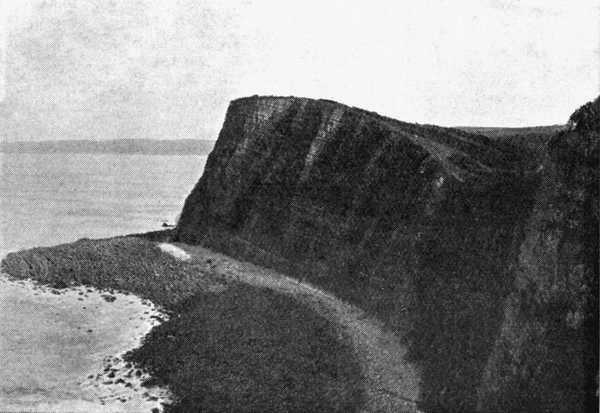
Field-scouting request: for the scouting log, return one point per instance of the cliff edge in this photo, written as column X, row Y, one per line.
column 439, row 232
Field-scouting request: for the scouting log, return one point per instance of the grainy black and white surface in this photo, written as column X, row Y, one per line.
column 315, row 257
column 469, row 246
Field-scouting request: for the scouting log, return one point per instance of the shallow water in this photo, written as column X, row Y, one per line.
column 55, row 342
column 54, row 348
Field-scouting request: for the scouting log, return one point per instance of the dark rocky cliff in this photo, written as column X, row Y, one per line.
column 546, row 355
column 437, row 231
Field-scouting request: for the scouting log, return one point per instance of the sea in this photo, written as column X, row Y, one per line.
column 55, row 347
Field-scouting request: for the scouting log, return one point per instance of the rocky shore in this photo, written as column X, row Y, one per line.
column 226, row 346
column 469, row 263
column 62, row 348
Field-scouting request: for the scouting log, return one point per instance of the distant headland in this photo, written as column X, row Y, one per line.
column 115, row 146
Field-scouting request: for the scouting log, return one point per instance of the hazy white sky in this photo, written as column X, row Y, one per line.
column 167, row 69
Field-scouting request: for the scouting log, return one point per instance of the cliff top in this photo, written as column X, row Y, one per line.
column 461, row 152
column 487, row 131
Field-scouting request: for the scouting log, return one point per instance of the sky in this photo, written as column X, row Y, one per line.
column 105, row 69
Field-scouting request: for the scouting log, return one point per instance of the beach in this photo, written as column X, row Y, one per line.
column 238, row 337
column 50, row 359
column 62, row 349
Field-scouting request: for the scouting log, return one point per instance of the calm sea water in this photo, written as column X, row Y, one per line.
column 46, row 199
column 52, row 347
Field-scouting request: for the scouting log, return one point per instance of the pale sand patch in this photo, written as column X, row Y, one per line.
column 174, row 251
column 392, row 384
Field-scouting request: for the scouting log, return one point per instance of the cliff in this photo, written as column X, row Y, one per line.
column 546, row 353
column 432, row 229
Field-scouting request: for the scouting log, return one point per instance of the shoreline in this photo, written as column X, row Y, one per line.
column 263, row 358
column 96, row 329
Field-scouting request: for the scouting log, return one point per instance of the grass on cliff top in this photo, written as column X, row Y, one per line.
column 244, row 349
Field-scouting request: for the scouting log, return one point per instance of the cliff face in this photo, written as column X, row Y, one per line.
column 304, row 178
column 546, row 353
column 430, row 228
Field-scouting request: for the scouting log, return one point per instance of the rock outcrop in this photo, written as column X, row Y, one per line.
column 546, row 355
column 439, row 232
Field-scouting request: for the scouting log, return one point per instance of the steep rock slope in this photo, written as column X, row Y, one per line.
column 546, row 354
column 418, row 224
column 311, row 180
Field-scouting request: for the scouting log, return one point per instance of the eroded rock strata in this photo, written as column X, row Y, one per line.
column 545, row 357
column 478, row 252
